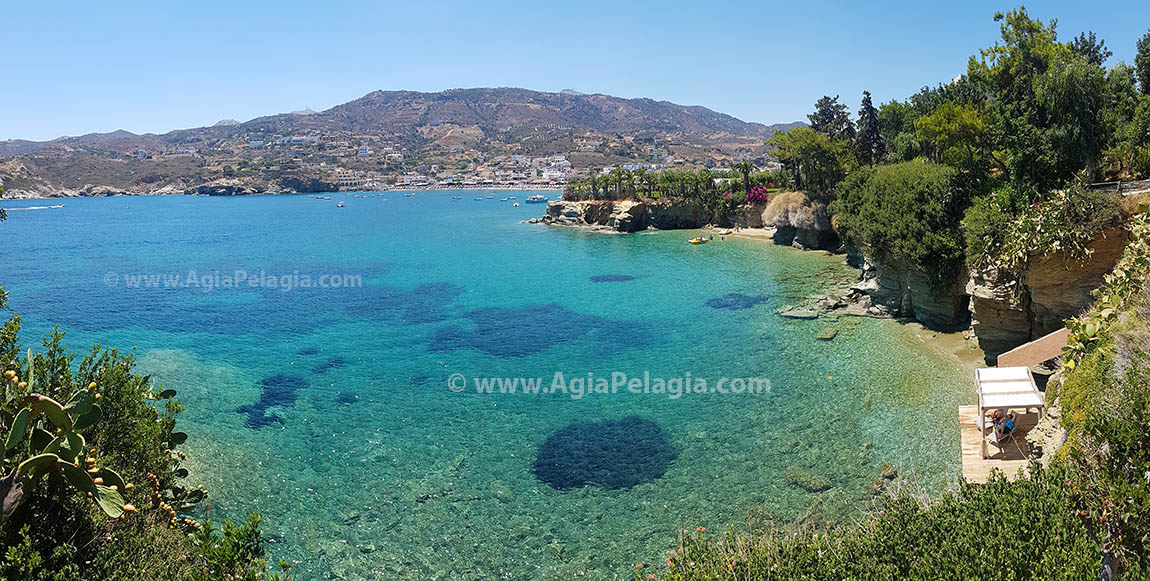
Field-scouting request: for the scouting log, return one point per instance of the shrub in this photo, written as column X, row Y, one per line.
column 908, row 210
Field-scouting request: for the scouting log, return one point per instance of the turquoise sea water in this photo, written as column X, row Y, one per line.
column 365, row 464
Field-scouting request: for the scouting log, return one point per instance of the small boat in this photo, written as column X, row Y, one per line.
column 516, row 204
column 698, row 240
column 491, row 197
column 724, row 232
column 537, row 199
column 457, row 197
column 478, row 199
column 510, row 197
column 339, row 205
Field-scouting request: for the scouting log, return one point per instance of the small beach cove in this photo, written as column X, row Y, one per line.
column 364, row 462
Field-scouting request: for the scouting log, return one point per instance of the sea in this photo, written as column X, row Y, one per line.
column 424, row 385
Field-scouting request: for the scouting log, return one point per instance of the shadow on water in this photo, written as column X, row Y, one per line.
column 613, row 454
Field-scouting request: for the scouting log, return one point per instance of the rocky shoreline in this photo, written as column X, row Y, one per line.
column 994, row 310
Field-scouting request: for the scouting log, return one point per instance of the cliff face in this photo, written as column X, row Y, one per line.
column 904, row 290
column 1004, row 310
column 627, row 215
column 803, row 225
column 1008, row 310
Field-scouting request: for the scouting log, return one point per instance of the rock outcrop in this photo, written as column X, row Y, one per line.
column 904, row 290
column 626, row 215
column 800, row 223
column 1008, row 310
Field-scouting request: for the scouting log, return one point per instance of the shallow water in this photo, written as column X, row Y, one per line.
column 364, row 463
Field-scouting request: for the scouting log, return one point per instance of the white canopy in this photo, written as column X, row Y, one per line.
column 1006, row 388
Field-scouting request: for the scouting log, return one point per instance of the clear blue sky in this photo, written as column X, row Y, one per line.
column 72, row 67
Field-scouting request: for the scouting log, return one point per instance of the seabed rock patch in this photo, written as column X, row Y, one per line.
column 615, row 454
column 735, row 302
column 278, row 390
column 612, row 278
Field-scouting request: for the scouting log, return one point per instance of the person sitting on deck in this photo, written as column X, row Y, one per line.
column 1003, row 427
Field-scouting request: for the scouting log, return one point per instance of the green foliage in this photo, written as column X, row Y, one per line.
column 869, row 144
column 1063, row 223
column 832, row 119
column 907, row 210
column 79, row 464
column 1027, row 529
column 1142, row 62
column 954, row 134
column 817, row 162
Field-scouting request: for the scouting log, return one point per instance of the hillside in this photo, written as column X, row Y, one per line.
column 486, row 136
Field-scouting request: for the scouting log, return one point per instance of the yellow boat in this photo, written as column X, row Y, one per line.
column 697, row 240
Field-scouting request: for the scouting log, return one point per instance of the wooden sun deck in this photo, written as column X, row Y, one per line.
column 1009, row 460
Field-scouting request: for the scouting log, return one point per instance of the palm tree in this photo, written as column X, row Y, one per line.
column 745, row 167
column 641, row 176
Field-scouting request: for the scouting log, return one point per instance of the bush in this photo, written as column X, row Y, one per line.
column 1027, row 529
column 908, row 210
column 57, row 531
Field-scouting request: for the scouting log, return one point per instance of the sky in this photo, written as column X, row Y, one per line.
column 75, row 67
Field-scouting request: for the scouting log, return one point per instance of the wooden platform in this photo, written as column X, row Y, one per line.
column 1036, row 351
column 1009, row 460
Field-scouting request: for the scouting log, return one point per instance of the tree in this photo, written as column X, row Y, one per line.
column 952, row 127
column 1093, row 50
column 832, row 119
column 817, row 162
column 745, row 167
column 1142, row 63
column 870, row 143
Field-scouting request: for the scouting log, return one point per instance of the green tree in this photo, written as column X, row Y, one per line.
column 832, row 119
column 745, row 168
column 1094, row 50
column 870, row 143
column 1142, row 63
column 817, row 162
column 952, row 127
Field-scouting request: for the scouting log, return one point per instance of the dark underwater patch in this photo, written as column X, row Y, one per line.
column 346, row 398
column 612, row 278
column 329, row 364
column 278, row 390
column 418, row 380
column 612, row 454
column 735, row 302
column 528, row 330
column 308, row 351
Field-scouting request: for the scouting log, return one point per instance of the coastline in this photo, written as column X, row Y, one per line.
column 128, row 194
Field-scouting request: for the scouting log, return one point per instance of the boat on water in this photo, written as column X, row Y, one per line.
column 537, row 199
column 478, row 199
column 724, row 232
column 516, row 204
column 33, row 208
column 510, row 197
column 491, row 197
column 457, row 197
column 698, row 240
column 339, row 205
